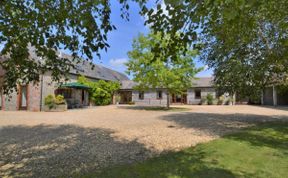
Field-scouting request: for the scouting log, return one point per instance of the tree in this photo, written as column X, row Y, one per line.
column 100, row 92
column 245, row 41
column 253, row 32
column 80, row 27
column 150, row 71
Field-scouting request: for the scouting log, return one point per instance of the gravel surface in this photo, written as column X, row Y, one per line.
column 78, row 141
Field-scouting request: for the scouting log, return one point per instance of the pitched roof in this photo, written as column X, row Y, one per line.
column 86, row 68
column 99, row 72
column 127, row 84
column 202, row 82
column 198, row 82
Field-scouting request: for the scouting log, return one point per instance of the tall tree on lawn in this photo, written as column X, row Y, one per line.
column 151, row 71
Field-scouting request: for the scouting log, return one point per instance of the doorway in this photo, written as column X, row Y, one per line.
column 179, row 98
column 83, row 97
column 23, row 97
column 125, row 97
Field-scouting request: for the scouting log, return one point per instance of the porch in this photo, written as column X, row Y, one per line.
column 179, row 98
column 125, row 96
column 75, row 94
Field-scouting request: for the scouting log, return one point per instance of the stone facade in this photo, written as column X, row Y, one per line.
column 191, row 99
column 10, row 102
column 36, row 94
column 150, row 97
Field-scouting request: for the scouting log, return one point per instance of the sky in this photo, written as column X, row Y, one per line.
column 120, row 40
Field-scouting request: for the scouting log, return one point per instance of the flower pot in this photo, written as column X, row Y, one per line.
column 56, row 108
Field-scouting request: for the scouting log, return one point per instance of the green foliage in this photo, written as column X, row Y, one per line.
column 80, row 27
column 209, row 98
column 59, row 99
column 49, row 101
column 219, row 158
column 203, row 101
column 244, row 41
column 150, row 71
column 221, row 100
column 100, row 92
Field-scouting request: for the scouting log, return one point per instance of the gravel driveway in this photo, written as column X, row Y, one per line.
column 78, row 141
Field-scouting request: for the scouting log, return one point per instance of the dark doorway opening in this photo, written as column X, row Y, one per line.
column 125, row 97
column 179, row 98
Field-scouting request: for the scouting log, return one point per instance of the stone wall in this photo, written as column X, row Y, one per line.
column 34, row 93
column 50, row 87
column 204, row 92
column 150, row 98
column 10, row 103
column 34, row 100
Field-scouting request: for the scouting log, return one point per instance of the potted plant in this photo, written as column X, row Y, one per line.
column 60, row 103
column 53, row 103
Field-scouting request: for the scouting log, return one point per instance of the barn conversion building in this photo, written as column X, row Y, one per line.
column 31, row 96
column 158, row 97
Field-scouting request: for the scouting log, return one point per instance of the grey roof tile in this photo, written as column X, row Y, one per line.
column 85, row 68
column 202, row 82
column 127, row 84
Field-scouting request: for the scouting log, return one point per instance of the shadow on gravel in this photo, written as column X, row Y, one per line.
column 282, row 108
column 153, row 108
column 219, row 124
column 53, row 151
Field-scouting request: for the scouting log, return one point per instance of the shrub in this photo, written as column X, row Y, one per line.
column 221, row 100
column 59, row 99
column 203, row 101
column 131, row 103
column 100, row 92
column 49, row 101
column 209, row 99
column 229, row 101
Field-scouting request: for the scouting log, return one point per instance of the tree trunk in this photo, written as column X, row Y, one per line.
column 168, row 100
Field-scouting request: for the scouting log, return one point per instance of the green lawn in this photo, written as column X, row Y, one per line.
column 260, row 151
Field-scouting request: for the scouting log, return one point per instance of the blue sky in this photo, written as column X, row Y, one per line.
column 120, row 40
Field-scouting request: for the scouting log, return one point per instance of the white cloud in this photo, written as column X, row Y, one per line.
column 119, row 62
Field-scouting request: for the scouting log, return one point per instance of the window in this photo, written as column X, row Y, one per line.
column 197, row 94
column 141, row 95
column 159, row 94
